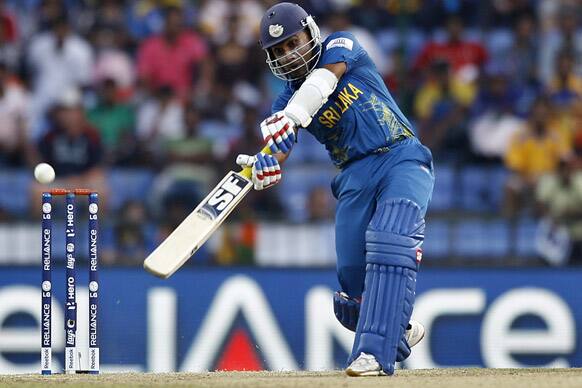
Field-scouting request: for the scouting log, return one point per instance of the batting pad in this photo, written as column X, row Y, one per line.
column 393, row 241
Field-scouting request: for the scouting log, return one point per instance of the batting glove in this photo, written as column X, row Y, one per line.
column 266, row 171
column 279, row 132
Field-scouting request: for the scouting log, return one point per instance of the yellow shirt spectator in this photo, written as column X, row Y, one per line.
column 532, row 155
column 429, row 94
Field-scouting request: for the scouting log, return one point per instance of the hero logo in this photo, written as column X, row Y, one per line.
column 229, row 188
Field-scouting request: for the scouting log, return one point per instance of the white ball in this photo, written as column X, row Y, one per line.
column 44, row 173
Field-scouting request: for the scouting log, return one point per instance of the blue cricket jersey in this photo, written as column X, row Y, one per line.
column 360, row 116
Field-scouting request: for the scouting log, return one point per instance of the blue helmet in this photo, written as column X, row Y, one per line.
column 281, row 22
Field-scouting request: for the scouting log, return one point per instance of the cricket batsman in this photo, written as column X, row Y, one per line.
column 385, row 182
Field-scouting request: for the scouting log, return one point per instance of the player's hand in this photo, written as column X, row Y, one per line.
column 266, row 171
column 279, row 132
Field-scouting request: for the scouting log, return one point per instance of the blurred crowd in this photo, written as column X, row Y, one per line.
column 178, row 87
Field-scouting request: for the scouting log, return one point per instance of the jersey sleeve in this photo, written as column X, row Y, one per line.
column 342, row 47
column 282, row 99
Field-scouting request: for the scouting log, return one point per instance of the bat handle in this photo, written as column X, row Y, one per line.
column 247, row 171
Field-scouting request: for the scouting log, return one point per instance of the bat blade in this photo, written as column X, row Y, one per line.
column 193, row 232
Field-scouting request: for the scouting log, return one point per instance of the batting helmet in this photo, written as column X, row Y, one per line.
column 281, row 22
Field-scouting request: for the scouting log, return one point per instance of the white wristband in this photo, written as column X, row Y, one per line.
column 311, row 96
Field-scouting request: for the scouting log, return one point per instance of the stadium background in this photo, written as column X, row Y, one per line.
column 493, row 87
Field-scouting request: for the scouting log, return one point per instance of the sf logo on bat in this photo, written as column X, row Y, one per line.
column 230, row 187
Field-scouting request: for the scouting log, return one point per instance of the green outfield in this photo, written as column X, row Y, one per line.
column 429, row 378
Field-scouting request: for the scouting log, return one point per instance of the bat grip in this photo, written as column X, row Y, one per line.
column 247, row 171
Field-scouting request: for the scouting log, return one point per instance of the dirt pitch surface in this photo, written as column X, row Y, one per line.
column 429, row 378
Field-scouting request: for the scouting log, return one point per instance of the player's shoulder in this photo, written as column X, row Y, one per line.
column 344, row 39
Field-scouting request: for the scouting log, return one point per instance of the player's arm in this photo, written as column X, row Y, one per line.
column 339, row 69
column 313, row 93
column 280, row 129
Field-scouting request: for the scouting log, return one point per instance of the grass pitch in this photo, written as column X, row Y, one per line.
column 427, row 378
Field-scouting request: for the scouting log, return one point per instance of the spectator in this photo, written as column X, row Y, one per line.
column 173, row 57
column 73, row 148
column 371, row 15
column 441, row 106
column 59, row 60
column 494, row 120
column 116, row 124
column 577, row 129
column 566, row 86
column 48, row 12
column 521, row 57
column 564, row 33
column 506, row 14
column 216, row 16
column 160, row 119
column 235, row 63
column 193, row 147
column 497, row 92
column 9, row 39
column 456, row 51
column 112, row 62
column 565, row 92
column 521, row 62
column 560, row 195
column 8, row 25
column 110, row 13
column 237, row 84
column 14, row 131
column 143, row 19
column 536, row 150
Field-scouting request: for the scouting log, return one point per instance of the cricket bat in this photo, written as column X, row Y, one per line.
column 193, row 232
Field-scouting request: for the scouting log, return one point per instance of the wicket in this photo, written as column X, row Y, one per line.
column 71, row 360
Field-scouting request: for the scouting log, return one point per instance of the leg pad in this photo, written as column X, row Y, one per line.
column 393, row 241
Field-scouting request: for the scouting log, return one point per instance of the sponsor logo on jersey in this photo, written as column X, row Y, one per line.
column 340, row 42
column 344, row 99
